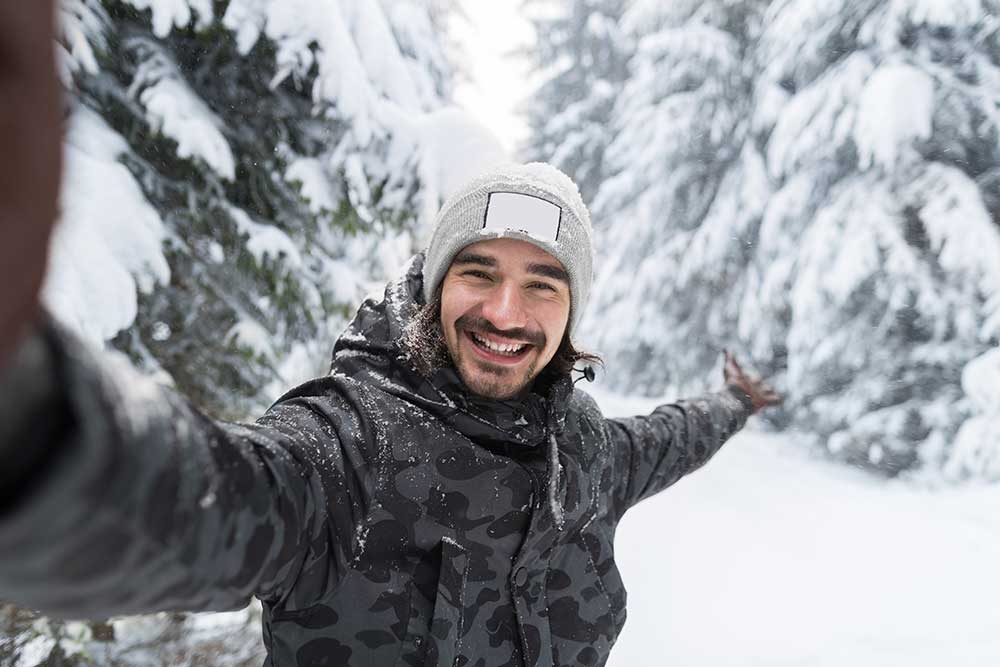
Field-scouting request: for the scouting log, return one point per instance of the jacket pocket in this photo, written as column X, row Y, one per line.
column 444, row 642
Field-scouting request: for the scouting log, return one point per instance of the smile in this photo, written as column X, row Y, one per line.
column 496, row 350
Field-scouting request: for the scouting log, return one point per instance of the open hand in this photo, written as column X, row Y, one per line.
column 761, row 395
column 31, row 115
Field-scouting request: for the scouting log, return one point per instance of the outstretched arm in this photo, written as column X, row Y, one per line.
column 137, row 502
column 652, row 452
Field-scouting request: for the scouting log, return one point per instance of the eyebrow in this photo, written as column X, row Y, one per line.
column 472, row 258
column 544, row 270
column 549, row 271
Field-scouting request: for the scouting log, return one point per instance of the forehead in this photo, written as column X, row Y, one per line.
column 510, row 253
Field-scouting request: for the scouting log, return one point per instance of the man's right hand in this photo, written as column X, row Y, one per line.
column 31, row 115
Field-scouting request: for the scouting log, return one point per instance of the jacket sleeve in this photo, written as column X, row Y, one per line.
column 652, row 452
column 142, row 503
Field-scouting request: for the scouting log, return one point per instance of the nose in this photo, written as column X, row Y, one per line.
column 504, row 307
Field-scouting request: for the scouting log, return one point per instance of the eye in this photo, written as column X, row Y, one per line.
column 475, row 273
column 542, row 286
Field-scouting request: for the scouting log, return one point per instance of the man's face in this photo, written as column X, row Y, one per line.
column 504, row 309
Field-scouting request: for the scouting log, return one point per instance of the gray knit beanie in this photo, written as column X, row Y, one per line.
column 532, row 202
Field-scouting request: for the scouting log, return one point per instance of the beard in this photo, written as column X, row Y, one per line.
column 497, row 382
column 493, row 380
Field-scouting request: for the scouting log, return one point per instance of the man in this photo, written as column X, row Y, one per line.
column 443, row 497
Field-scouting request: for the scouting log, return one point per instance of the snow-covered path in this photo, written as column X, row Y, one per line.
column 769, row 557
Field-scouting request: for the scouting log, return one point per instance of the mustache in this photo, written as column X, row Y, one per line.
column 536, row 338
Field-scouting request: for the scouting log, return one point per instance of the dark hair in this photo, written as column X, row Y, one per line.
column 422, row 343
column 567, row 357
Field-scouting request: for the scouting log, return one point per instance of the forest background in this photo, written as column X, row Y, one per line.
column 813, row 184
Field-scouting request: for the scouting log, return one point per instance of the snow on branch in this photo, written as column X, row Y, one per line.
column 976, row 452
column 960, row 230
column 816, row 122
column 83, row 23
column 179, row 113
column 362, row 72
column 895, row 109
column 265, row 241
column 108, row 246
column 170, row 14
column 940, row 13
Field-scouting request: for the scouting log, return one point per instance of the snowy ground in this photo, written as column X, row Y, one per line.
column 769, row 557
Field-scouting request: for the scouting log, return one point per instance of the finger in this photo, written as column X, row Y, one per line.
column 735, row 367
column 27, row 30
column 773, row 398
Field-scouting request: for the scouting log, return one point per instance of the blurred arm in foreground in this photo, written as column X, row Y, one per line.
column 30, row 132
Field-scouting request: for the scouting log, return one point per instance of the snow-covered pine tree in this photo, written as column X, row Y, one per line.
column 976, row 452
column 886, row 162
column 681, row 196
column 582, row 55
column 259, row 164
column 815, row 183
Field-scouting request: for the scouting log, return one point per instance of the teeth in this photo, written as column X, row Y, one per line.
column 498, row 347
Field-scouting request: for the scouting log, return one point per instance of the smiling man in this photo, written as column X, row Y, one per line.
column 504, row 311
column 444, row 496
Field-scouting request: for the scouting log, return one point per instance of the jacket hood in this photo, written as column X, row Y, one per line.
column 371, row 349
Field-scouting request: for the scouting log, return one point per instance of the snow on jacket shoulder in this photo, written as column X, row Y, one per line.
column 382, row 517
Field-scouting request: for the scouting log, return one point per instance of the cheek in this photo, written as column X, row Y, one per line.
column 554, row 321
column 454, row 303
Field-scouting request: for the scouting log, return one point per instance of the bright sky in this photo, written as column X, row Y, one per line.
column 499, row 81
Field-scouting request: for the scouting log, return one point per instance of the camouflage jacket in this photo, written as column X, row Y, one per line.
column 382, row 517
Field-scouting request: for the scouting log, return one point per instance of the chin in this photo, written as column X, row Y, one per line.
column 490, row 385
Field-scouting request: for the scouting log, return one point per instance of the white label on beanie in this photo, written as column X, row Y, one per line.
column 526, row 213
